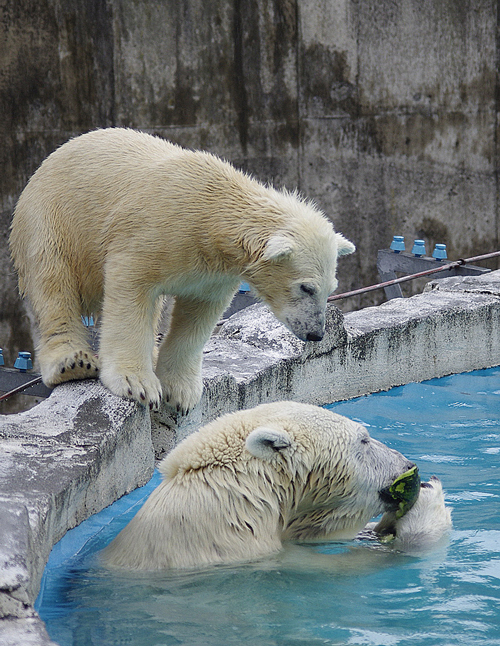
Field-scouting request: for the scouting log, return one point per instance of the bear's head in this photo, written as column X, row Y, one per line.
column 338, row 476
column 295, row 270
column 322, row 474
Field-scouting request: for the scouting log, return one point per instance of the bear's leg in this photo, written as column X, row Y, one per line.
column 180, row 355
column 128, row 326
column 63, row 351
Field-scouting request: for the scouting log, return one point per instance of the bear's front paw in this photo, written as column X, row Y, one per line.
column 143, row 388
column 182, row 395
column 78, row 364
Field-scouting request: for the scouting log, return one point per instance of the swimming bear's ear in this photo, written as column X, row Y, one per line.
column 264, row 443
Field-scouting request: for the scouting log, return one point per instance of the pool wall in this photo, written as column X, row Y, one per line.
column 82, row 448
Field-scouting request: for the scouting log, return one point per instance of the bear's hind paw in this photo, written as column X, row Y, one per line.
column 77, row 365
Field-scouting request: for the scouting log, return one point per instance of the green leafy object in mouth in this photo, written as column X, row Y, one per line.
column 405, row 489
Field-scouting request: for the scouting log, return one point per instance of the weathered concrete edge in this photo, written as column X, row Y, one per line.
column 64, row 460
column 83, row 448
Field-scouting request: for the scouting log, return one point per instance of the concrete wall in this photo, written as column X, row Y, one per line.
column 384, row 112
column 82, row 448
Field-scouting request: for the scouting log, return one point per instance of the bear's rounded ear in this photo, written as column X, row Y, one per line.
column 264, row 443
column 278, row 246
column 344, row 246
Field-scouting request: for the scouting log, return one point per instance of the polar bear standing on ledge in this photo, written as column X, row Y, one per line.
column 115, row 219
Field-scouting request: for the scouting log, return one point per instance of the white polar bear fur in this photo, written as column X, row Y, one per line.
column 423, row 525
column 243, row 484
column 115, row 219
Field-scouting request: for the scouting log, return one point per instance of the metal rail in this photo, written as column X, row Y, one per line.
column 20, row 388
column 420, row 274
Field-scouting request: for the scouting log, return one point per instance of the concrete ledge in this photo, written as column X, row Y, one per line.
column 60, row 462
column 83, row 448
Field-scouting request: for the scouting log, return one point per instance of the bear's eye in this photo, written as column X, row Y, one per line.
column 310, row 290
column 365, row 440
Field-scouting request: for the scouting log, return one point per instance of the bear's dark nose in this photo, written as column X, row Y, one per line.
column 312, row 336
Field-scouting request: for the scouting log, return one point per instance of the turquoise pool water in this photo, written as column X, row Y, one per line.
column 334, row 594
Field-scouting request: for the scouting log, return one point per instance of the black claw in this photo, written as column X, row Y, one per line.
column 63, row 370
column 178, row 407
column 130, row 392
column 80, row 363
column 89, row 366
column 72, row 366
column 142, row 396
column 150, row 405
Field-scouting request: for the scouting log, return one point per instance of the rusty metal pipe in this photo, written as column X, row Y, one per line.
column 420, row 274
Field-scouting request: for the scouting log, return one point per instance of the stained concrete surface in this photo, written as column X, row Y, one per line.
column 83, row 448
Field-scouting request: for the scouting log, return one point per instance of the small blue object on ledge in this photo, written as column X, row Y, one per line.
column 23, row 361
column 88, row 321
column 439, row 252
column 418, row 248
column 398, row 244
column 2, row 362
